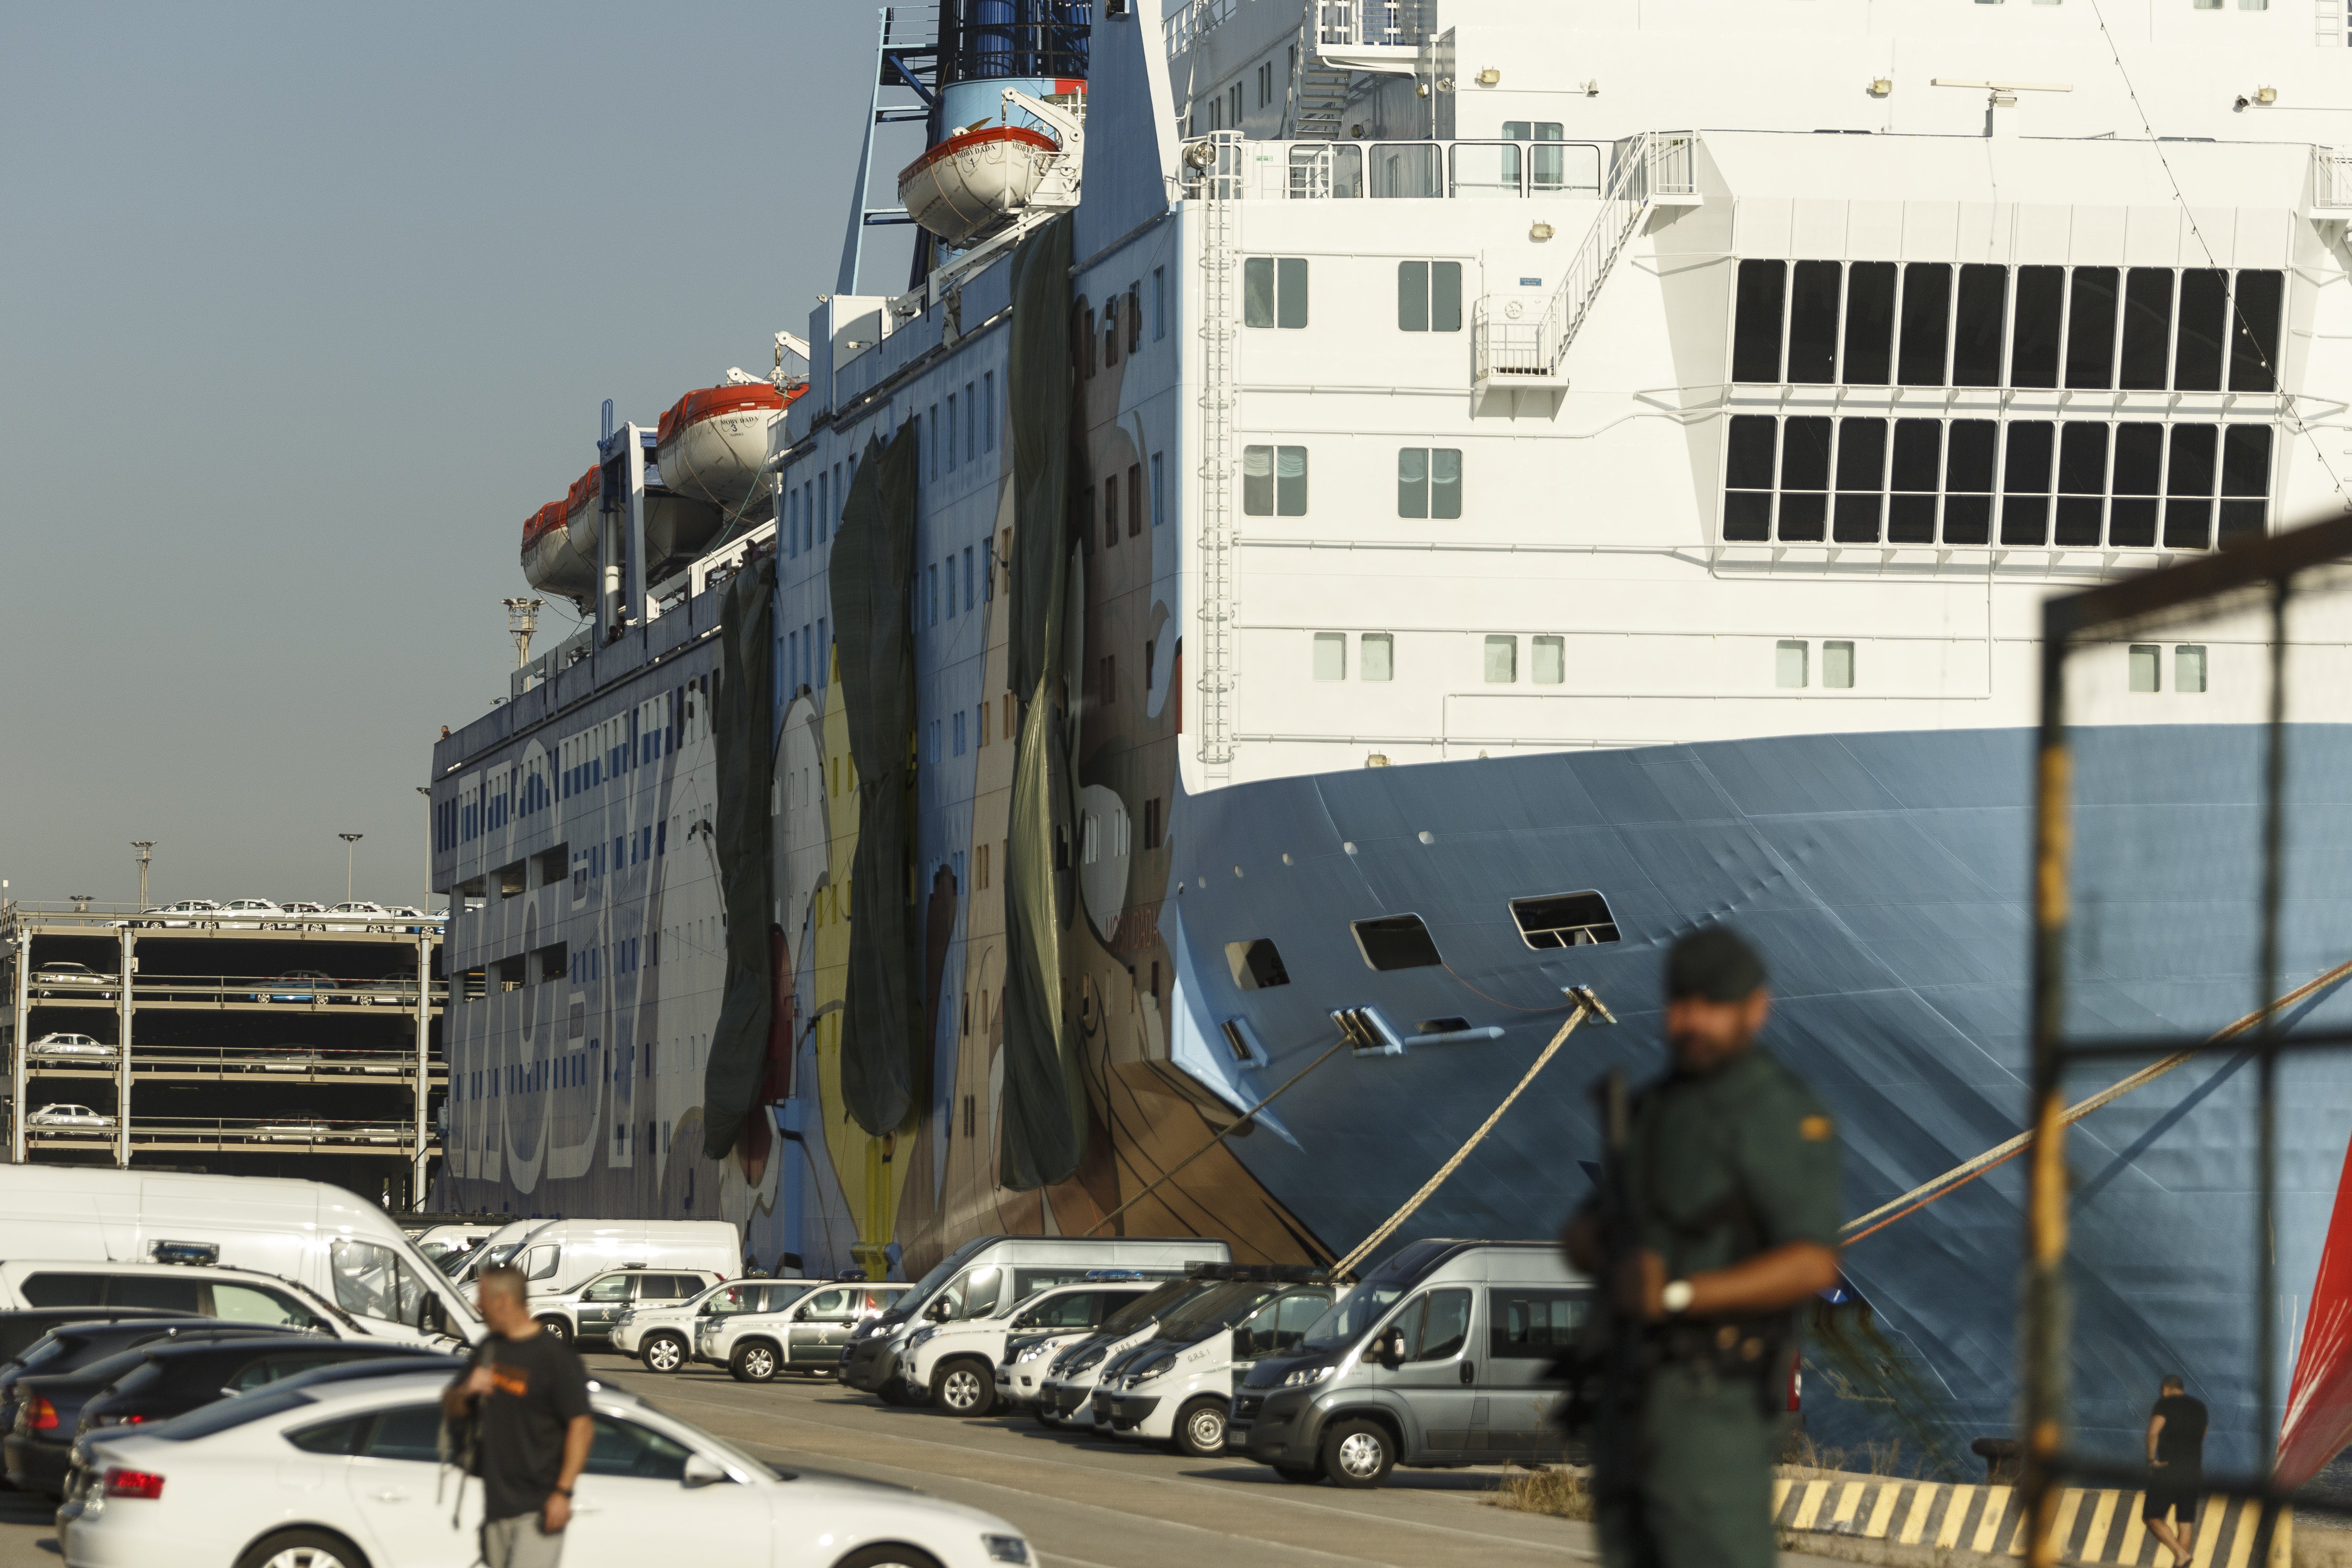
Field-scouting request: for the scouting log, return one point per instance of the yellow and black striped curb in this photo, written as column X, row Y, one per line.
column 2092, row 1526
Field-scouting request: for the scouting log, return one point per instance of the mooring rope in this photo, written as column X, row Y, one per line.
column 1960, row 1176
column 1583, row 1010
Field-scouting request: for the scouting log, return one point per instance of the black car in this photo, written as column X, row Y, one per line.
column 76, row 1342
column 20, row 1331
column 49, row 1405
column 178, row 1378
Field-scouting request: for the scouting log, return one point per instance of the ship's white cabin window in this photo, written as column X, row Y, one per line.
column 1789, row 665
column 1837, row 666
column 1377, row 659
column 2146, row 662
column 1407, row 170
column 1273, row 481
column 1429, row 481
column 1274, row 291
column 1159, row 303
column 1429, row 296
column 1265, row 84
column 1322, row 170
column 1548, row 660
column 1330, row 655
column 2189, row 669
column 1502, row 661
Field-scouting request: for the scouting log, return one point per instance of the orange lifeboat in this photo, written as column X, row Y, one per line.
column 712, row 445
column 975, row 179
column 550, row 564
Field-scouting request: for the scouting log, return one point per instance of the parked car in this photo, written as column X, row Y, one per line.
column 300, row 1127
column 1066, row 1391
column 358, row 914
column 80, row 1116
column 1176, row 1387
column 1028, row 1352
column 249, row 915
column 397, row 989
column 347, row 1470
column 990, row 1274
column 49, row 1403
column 179, row 1377
column 805, row 1334
column 63, row 977
column 56, row 1046
column 955, row 1360
column 662, row 1335
column 297, row 985
column 1438, row 1358
column 188, row 911
column 588, row 1312
column 300, row 913
column 66, row 1338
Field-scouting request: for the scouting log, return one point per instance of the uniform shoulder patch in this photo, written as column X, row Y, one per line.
column 1816, row 1129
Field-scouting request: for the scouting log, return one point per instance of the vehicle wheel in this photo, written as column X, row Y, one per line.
column 663, row 1352
column 963, row 1388
column 1298, row 1475
column 888, row 1557
column 302, row 1549
column 754, row 1361
column 559, row 1328
column 1358, row 1453
column 1200, row 1429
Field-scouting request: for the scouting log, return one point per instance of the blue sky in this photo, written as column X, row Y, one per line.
column 305, row 309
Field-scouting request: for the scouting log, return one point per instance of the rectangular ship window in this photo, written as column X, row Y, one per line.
column 2146, row 662
column 1869, row 323
column 2139, row 462
column 1756, row 327
column 1377, row 660
column 1813, row 322
column 1429, row 296
column 1751, row 453
column 2188, row 487
column 1837, row 666
column 1564, row 919
column 1547, row 664
column 1330, row 655
column 1502, row 661
column 1968, row 449
column 1927, row 323
column 1256, row 964
column 1788, row 660
column 2033, row 336
column 2025, row 482
column 2082, row 482
column 1915, row 476
column 1977, row 328
column 1396, row 941
column 1804, row 478
column 2189, row 669
column 2253, row 332
column 2203, row 328
column 2091, row 328
column 2245, row 478
column 1861, row 477
column 2147, row 328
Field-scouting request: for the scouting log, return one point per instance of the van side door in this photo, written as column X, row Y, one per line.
column 1526, row 1326
column 821, row 1327
column 1435, row 1376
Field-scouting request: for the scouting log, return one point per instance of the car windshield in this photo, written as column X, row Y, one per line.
column 942, row 1272
column 242, row 1410
column 1220, row 1306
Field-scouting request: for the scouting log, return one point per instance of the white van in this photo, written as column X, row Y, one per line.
column 435, row 1241
column 559, row 1256
column 489, row 1252
column 957, row 1361
column 342, row 1247
column 1176, row 1387
column 990, row 1275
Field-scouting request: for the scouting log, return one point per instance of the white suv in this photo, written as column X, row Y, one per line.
column 590, row 1311
column 662, row 1335
column 804, row 1335
column 956, row 1360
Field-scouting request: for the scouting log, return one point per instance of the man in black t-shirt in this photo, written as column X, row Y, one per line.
column 2176, row 1467
column 528, row 1396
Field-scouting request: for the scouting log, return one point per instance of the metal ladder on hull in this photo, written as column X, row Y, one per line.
column 1220, row 190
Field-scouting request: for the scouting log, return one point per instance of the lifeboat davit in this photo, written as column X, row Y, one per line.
column 550, row 564
column 971, row 180
column 712, row 446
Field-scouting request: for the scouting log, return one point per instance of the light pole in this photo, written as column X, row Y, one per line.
column 146, row 847
column 349, row 840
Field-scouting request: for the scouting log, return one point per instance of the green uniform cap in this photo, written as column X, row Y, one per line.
column 1715, row 962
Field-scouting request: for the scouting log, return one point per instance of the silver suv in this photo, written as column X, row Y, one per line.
column 589, row 1312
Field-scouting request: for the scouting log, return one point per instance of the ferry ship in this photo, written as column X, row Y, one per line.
column 1369, row 512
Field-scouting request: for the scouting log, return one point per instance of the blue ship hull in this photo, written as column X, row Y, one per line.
column 1883, row 876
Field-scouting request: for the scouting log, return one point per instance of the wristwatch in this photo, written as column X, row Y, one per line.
column 1675, row 1297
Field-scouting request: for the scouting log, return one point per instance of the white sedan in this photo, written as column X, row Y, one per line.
column 68, row 1116
column 250, row 914
column 66, row 1046
column 329, row 1475
column 196, row 908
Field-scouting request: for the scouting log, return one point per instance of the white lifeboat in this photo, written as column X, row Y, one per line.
column 712, row 445
column 975, row 179
column 583, row 520
column 550, row 564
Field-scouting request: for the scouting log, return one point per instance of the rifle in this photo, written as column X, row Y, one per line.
column 1611, row 1348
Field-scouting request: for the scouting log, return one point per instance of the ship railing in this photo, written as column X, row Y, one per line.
column 1343, row 25
column 1182, row 30
column 224, row 1132
column 2331, row 184
column 1484, row 170
column 1522, row 345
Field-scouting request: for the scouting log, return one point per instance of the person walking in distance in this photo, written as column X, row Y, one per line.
column 2176, row 1467
column 526, row 1395
column 1716, row 1216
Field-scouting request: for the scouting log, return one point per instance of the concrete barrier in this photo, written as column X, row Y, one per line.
column 2092, row 1527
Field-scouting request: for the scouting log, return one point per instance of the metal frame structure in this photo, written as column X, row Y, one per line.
column 140, row 1071
column 2269, row 567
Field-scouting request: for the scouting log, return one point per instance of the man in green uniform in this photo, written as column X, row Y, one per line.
column 1728, row 1222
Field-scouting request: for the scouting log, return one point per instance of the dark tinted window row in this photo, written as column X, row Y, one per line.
column 1930, row 324
column 2074, row 483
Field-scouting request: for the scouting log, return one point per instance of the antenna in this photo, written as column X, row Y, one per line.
column 523, row 619
column 146, row 847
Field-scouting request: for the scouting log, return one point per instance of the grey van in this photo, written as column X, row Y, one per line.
column 1436, row 1359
